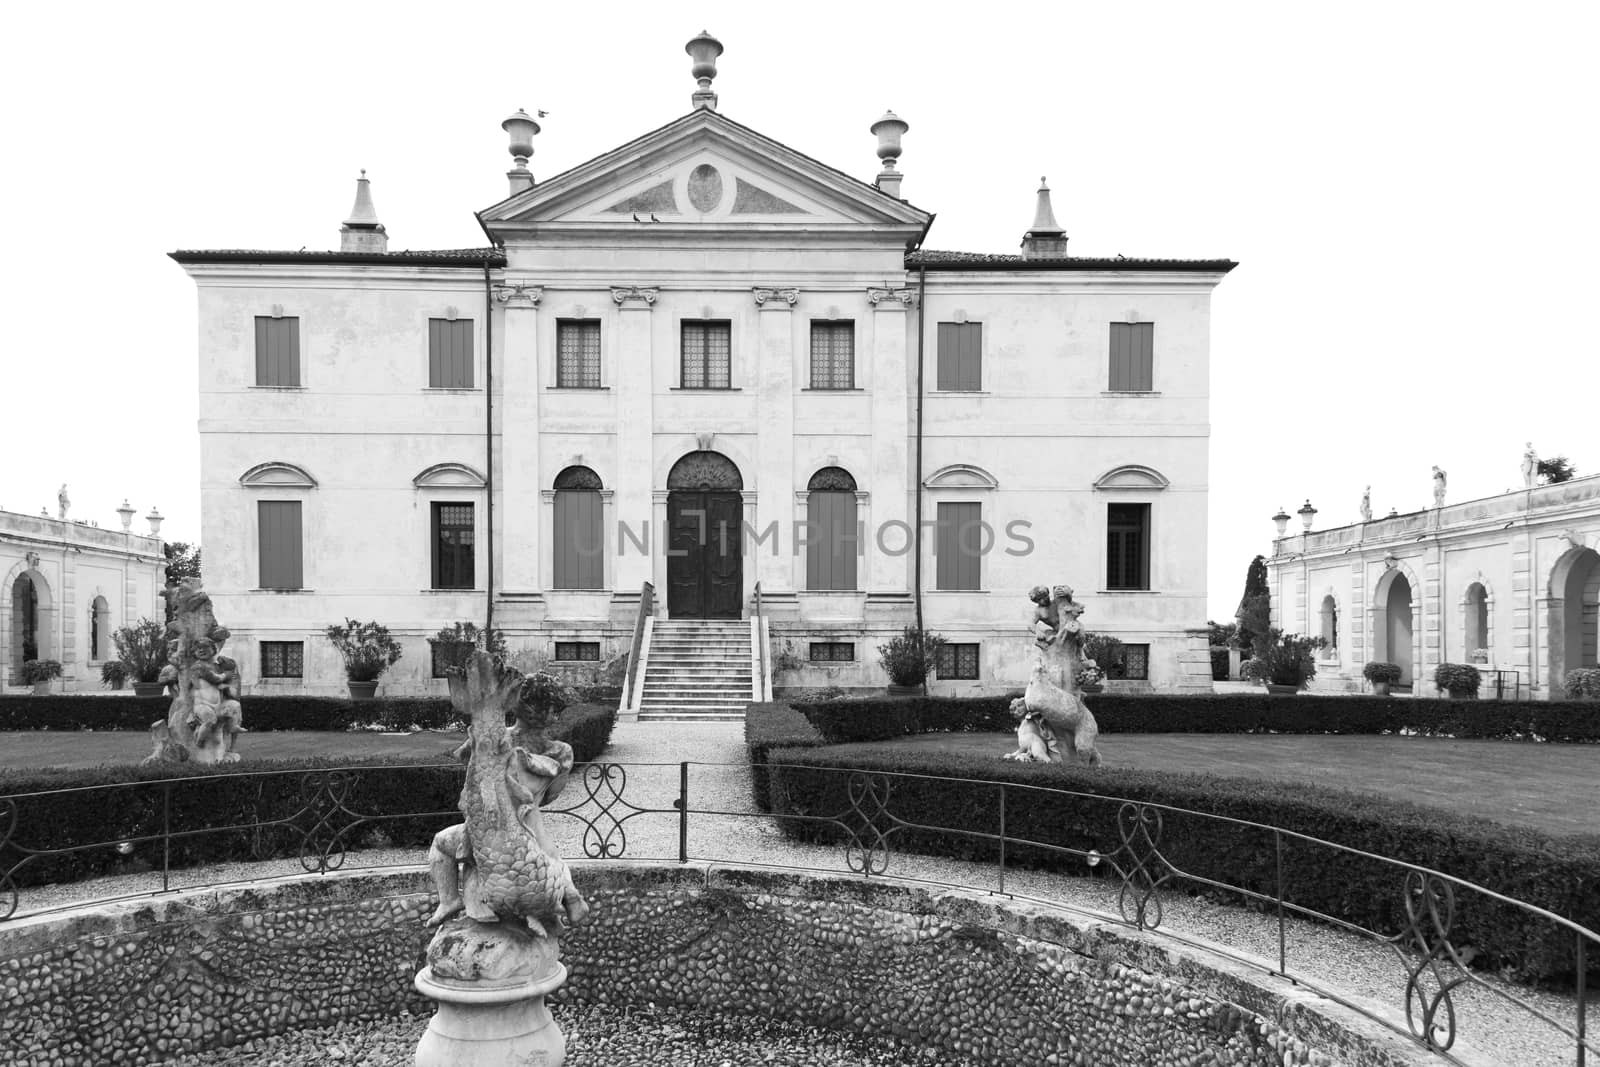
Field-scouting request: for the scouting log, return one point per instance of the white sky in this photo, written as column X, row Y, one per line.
column 1410, row 188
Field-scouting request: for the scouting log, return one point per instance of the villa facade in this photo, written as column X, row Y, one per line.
column 704, row 361
column 1516, row 576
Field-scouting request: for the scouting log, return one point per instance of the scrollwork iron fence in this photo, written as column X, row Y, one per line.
column 320, row 818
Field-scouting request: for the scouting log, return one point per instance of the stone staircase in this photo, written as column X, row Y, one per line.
column 697, row 670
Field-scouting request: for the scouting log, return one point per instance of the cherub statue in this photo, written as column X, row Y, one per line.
column 214, row 713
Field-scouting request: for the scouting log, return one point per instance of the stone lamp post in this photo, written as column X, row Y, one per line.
column 1282, row 519
column 1307, row 513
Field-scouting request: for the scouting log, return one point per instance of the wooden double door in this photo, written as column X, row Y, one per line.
column 705, row 555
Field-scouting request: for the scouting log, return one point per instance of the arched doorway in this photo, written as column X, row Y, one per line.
column 705, row 558
column 27, row 602
column 1396, row 629
column 1574, row 614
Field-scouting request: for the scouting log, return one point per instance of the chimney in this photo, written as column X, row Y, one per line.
column 362, row 232
column 1045, row 239
column 889, row 130
column 522, row 129
column 704, row 50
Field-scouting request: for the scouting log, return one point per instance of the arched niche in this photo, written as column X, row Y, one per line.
column 449, row 476
column 277, row 474
column 27, row 612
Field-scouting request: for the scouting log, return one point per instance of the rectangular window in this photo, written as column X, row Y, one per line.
column 707, row 355
column 1132, row 357
column 283, row 659
column 957, row 662
column 833, row 355
column 450, row 353
column 578, row 651
column 833, row 652
column 281, row 561
column 958, row 546
column 452, row 546
column 960, row 356
column 443, row 656
column 1127, row 546
column 277, row 351
column 1133, row 665
column 578, row 354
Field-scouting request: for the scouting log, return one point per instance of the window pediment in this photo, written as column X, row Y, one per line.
column 1132, row 476
column 961, row 476
column 451, row 475
column 276, row 474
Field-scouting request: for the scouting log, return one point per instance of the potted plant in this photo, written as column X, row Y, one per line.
column 908, row 658
column 1089, row 677
column 1284, row 663
column 454, row 643
column 1106, row 653
column 368, row 651
column 1381, row 675
column 113, row 672
column 142, row 648
column 546, row 694
column 1460, row 680
column 1582, row 683
column 39, row 673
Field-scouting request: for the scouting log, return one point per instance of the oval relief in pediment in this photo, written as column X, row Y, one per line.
column 705, row 188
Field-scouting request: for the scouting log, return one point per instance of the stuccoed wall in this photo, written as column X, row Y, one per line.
column 995, row 980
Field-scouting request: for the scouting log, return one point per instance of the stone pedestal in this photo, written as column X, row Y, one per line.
column 490, row 981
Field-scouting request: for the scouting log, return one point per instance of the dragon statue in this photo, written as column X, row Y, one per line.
column 500, row 864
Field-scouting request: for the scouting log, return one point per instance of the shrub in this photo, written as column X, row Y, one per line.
column 1376, row 672
column 1283, row 659
column 367, row 648
column 908, row 658
column 1457, row 679
column 40, row 670
column 1219, row 665
column 1582, row 683
column 453, row 644
column 1558, row 875
column 1108, row 653
column 880, row 718
column 113, row 672
column 143, row 647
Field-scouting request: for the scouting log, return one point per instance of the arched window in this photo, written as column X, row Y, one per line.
column 1330, row 623
column 99, row 629
column 578, row 541
column 834, row 542
column 1475, row 624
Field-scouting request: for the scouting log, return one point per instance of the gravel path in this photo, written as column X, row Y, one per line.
column 1359, row 969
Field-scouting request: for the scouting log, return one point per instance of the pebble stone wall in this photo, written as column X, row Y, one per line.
column 998, row 981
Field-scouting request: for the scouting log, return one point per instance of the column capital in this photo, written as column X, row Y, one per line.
column 644, row 294
column 891, row 299
column 518, row 294
column 775, row 299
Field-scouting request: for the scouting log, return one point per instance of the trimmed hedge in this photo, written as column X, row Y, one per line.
column 262, row 714
column 1560, row 875
column 769, row 726
column 416, row 797
column 882, row 718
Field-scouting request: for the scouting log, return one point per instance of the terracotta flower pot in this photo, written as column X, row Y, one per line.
column 1380, row 689
column 905, row 690
column 1274, row 689
column 147, row 689
column 363, row 690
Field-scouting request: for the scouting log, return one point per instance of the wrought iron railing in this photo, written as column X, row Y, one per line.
column 321, row 828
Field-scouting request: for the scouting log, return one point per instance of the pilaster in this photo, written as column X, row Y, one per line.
column 520, row 539
column 632, row 359
column 888, row 576
column 775, row 398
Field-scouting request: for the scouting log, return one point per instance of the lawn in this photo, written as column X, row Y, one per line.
column 1546, row 787
column 38, row 749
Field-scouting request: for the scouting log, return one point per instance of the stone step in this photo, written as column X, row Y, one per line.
column 670, row 694
column 689, row 716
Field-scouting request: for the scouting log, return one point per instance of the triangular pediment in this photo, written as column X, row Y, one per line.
column 702, row 170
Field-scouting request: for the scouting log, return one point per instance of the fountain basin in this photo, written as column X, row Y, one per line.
column 980, row 977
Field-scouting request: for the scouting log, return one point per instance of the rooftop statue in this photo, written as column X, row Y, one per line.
column 1530, row 466
column 1438, row 487
column 1366, row 505
column 205, row 717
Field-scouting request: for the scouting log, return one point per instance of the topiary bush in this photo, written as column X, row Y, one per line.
column 1556, row 874
column 1376, row 672
column 1582, row 683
